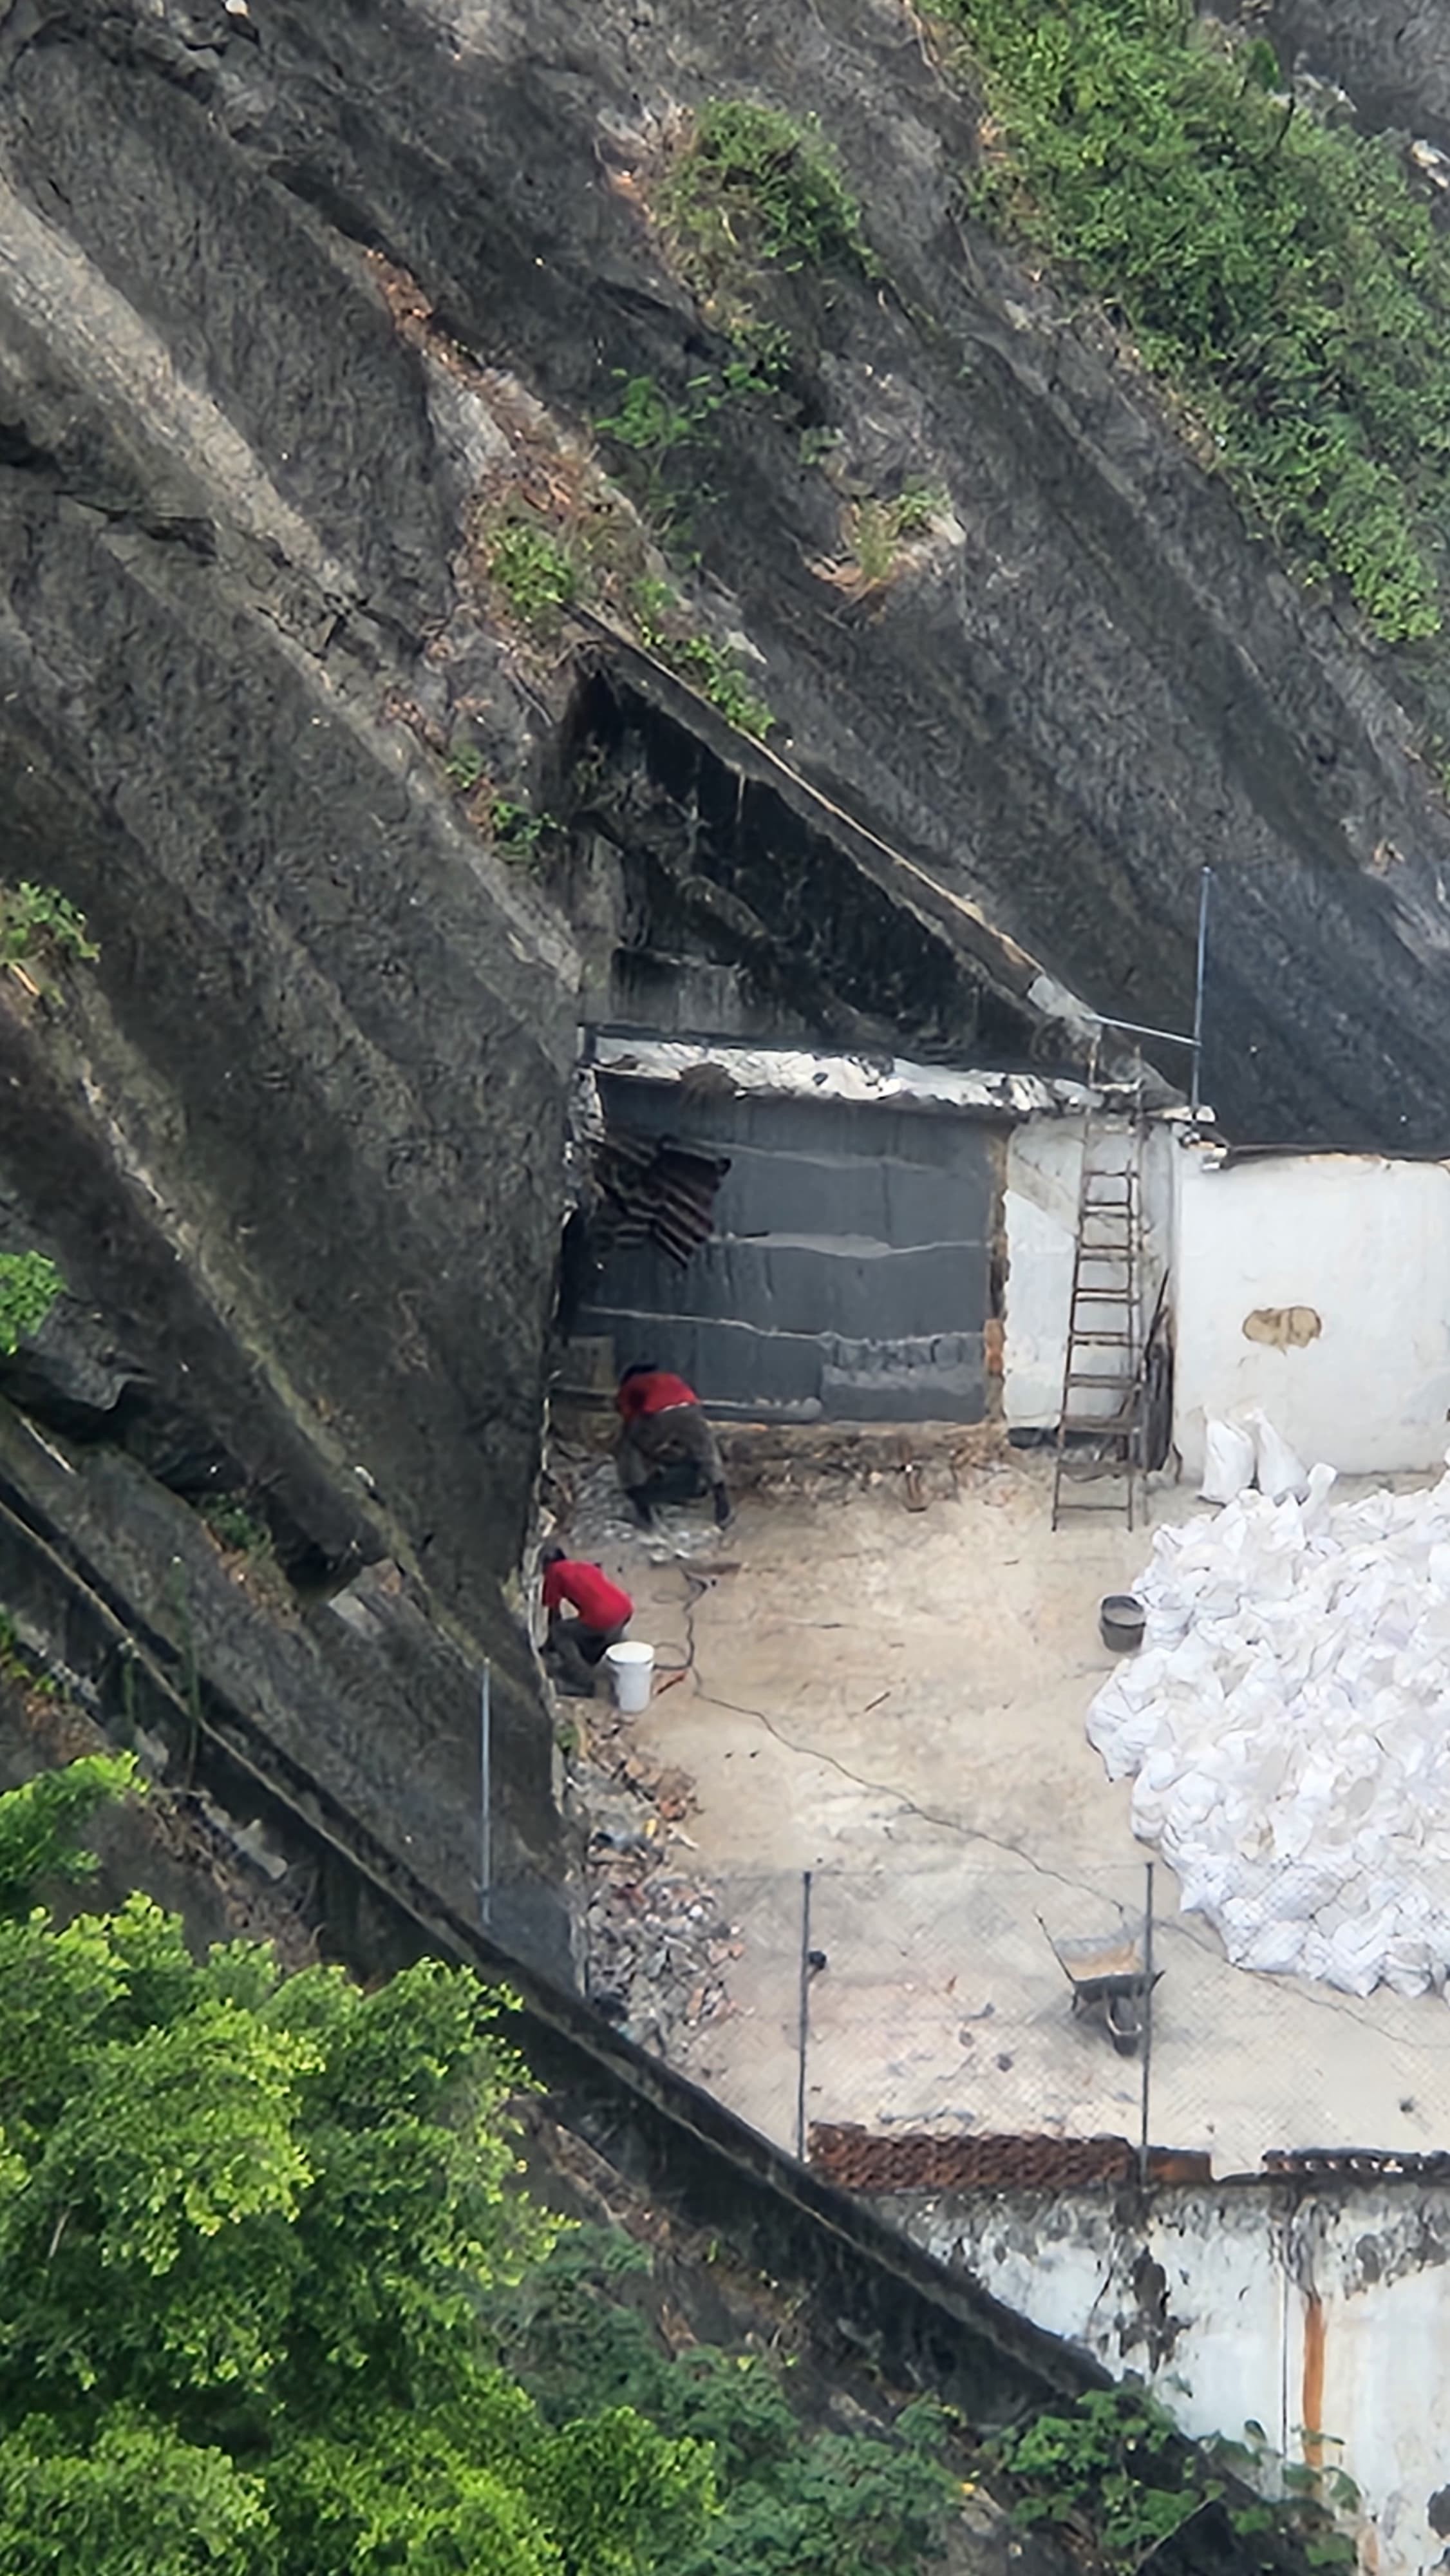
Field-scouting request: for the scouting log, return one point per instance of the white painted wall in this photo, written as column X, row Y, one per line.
column 1044, row 1167
column 1311, row 2311
column 1365, row 1244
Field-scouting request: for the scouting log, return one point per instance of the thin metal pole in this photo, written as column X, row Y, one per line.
column 1147, row 2025
column 805, row 2018
column 485, row 1796
column 1204, row 883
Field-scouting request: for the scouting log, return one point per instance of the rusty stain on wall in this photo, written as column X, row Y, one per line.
column 1313, row 2413
column 1283, row 1328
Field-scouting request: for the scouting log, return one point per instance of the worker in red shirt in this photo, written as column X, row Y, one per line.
column 575, row 1646
column 666, row 1451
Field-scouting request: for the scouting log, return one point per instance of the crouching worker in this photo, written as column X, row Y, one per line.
column 666, row 1451
column 574, row 1647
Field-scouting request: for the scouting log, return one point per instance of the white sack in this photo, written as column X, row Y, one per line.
column 1292, row 1747
column 1279, row 1471
column 1228, row 1465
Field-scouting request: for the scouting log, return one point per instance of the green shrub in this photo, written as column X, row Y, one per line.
column 29, row 1287
column 706, row 665
column 517, row 828
column 1284, row 275
column 237, row 1528
column 754, row 186
column 1113, row 2467
column 34, row 916
column 534, row 569
column 646, row 421
column 464, row 768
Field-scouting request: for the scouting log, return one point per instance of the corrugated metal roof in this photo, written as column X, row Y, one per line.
column 802, row 1073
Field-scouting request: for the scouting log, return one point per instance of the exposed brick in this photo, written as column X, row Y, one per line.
column 859, row 2160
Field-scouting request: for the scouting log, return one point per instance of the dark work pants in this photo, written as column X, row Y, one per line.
column 574, row 1652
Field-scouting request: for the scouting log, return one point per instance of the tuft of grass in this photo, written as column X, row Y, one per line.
column 1282, row 274
column 880, row 529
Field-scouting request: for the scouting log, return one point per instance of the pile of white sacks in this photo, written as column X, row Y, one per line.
column 1288, row 1722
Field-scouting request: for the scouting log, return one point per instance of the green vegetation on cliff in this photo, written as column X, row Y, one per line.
column 1282, row 274
column 750, row 188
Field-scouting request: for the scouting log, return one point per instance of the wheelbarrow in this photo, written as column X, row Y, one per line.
column 1109, row 1984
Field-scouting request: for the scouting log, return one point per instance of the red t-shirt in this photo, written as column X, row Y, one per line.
column 654, row 1393
column 588, row 1590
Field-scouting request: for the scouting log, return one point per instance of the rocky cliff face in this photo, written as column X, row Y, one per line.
column 282, row 292
column 1392, row 56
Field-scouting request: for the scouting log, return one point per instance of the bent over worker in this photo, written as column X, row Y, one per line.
column 666, row 1451
column 575, row 1646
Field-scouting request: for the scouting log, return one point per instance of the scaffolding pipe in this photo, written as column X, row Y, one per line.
column 1135, row 1028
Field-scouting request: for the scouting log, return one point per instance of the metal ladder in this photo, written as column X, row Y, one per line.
column 1100, row 1428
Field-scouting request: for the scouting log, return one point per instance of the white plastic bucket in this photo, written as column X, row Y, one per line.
column 632, row 1671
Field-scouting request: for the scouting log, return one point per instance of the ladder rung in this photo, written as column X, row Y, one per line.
column 1099, row 1377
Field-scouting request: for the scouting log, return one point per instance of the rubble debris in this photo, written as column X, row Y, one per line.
column 657, row 1946
column 585, row 1497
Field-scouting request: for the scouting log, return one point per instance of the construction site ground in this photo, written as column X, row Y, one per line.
column 884, row 1666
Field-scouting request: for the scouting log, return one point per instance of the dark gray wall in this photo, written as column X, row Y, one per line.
column 849, row 1275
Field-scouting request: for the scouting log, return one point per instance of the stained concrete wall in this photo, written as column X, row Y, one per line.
column 1312, row 2311
column 849, row 1275
column 1044, row 1166
column 1317, row 1286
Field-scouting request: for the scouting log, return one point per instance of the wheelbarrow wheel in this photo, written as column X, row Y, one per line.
column 1125, row 2023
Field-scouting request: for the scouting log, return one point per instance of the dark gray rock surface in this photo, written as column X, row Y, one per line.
column 296, row 1140
column 1392, row 56
column 1098, row 685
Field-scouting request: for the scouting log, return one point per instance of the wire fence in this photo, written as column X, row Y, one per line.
column 1065, row 2027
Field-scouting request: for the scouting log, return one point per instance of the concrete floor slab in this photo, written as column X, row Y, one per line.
column 894, row 1701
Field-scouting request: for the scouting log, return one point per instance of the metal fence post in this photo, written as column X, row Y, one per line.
column 803, row 2036
column 1196, row 1094
column 1147, row 2026
column 485, row 1797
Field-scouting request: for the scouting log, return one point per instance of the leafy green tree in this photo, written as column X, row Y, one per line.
column 273, row 2304
column 41, row 1823
column 250, row 2229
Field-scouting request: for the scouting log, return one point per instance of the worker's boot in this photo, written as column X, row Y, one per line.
column 722, row 1507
